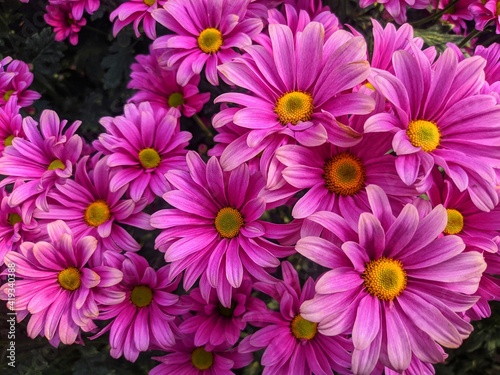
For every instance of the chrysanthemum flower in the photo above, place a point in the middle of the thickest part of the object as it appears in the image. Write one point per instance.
(57, 286)
(205, 35)
(292, 343)
(65, 25)
(336, 177)
(397, 284)
(484, 12)
(397, 8)
(214, 229)
(456, 15)
(89, 208)
(10, 123)
(291, 86)
(146, 315)
(159, 87)
(15, 78)
(143, 145)
(79, 6)
(188, 358)
(477, 229)
(136, 11)
(44, 157)
(440, 119)
(215, 324)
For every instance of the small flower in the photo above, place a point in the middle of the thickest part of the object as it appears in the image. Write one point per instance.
(65, 25)
(15, 78)
(136, 11)
(10, 123)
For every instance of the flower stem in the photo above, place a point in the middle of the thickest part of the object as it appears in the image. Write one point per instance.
(202, 126)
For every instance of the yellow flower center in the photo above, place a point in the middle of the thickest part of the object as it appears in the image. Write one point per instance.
(175, 99)
(424, 134)
(13, 219)
(210, 40)
(303, 329)
(141, 295)
(201, 359)
(455, 222)
(228, 222)
(56, 164)
(97, 213)
(8, 141)
(7, 95)
(69, 278)
(149, 158)
(149, 2)
(498, 8)
(385, 278)
(344, 174)
(370, 86)
(294, 106)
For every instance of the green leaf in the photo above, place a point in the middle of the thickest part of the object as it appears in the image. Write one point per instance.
(117, 64)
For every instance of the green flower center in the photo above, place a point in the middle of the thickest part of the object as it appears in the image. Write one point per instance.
(8, 141)
(56, 164)
(303, 328)
(69, 278)
(7, 95)
(97, 213)
(13, 219)
(201, 359)
(149, 2)
(175, 99)
(141, 296)
(149, 158)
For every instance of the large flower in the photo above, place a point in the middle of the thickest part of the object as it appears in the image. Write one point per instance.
(214, 229)
(146, 315)
(296, 85)
(58, 287)
(143, 145)
(439, 118)
(158, 86)
(205, 34)
(396, 284)
(293, 344)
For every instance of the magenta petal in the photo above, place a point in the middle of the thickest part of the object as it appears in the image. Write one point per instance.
(398, 345)
(367, 324)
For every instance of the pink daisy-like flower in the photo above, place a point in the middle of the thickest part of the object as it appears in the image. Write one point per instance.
(295, 89)
(397, 8)
(65, 25)
(143, 145)
(396, 284)
(146, 316)
(10, 123)
(456, 15)
(136, 11)
(484, 12)
(439, 118)
(15, 78)
(89, 207)
(214, 229)
(190, 359)
(215, 324)
(478, 230)
(159, 87)
(336, 177)
(205, 34)
(79, 6)
(45, 157)
(57, 286)
(293, 344)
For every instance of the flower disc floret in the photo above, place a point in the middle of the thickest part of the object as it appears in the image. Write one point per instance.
(344, 174)
(228, 222)
(303, 329)
(385, 278)
(97, 213)
(149, 158)
(149, 2)
(70, 278)
(424, 134)
(455, 222)
(294, 106)
(175, 99)
(56, 164)
(202, 359)
(8, 141)
(13, 219)
(210, 40)
(141, 296)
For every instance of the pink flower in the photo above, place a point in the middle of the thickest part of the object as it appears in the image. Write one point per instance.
(394, 282)
(142, 146)
(158, 86)
(293, 344)
(10, 123)
(15, 78)
(44, 158)
(79, 6)
(215, 324)
(57, 287)
(136, 11)
(485, 12)
(296, 88)
(145, 317)
(214, 230)
(439, 118)
(457, 14)
(205, 34)
(65, 25)
(397, 8)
